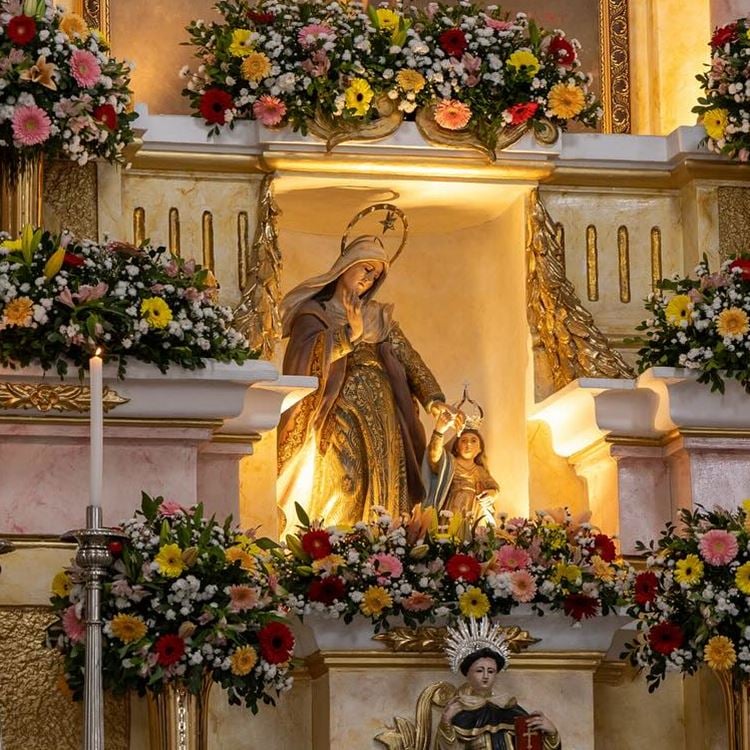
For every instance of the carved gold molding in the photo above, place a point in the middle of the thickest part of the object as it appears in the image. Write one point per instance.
(432, 638)
(257, 314)
(44, 397)
(564, 331)
(615, 65)
(614, 673)
(96, 14)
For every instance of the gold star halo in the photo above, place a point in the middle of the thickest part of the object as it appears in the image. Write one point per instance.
(392, 214)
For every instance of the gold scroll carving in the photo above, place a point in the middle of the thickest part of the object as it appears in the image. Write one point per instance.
(734, 220)
(44, 397)
(615, 65)
(432, 638)
(257, 315)
(35, 714)
(565, 334)
(70, 198)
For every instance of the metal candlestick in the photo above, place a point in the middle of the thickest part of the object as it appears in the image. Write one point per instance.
(93, 558)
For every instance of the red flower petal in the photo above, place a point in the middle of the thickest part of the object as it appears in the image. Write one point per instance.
(21, 29)
(276, 643)
(214, 105)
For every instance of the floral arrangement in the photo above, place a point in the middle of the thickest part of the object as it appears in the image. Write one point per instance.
(187, 597)
(421, 567)
(691, 601)
(472, 67)
(724, 109)
(60, 298)
(63, 95)
(702, 324)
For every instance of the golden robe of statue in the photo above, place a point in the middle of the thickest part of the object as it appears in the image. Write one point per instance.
(356, 442)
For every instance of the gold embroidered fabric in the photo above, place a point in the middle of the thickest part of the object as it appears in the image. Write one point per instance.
(421, 381)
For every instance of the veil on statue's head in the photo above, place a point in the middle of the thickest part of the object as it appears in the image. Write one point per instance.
(366, 247)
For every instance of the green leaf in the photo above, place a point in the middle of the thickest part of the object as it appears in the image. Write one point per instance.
(302, 516)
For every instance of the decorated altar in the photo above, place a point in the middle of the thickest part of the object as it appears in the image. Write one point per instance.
(511, 252)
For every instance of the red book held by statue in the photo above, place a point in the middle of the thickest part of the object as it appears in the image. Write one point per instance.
(527, 738)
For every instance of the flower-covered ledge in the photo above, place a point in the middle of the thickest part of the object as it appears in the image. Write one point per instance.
(186, 430)
(656, 443)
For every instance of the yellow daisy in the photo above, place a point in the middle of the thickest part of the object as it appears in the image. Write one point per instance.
(715, 122)
(128, 628)
(243, 660)
(719, 653)
(61, 584)
(375, 600)
(410, 80)
(565, 572)
(566, 101)
(678, 309)
(18, 312)
(169, 560)
(387, 19)
(602, 569)
(328, 564)
(242, 42)
(689, 571)
(358, 96)
(742, 578)
(156, 312)
(524, 61)
(732, 323)
(73, 25)
(255, 67)
(246, 560)
(474, 603)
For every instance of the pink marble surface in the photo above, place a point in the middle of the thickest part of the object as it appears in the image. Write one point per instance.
(725, 11)
(44, 473)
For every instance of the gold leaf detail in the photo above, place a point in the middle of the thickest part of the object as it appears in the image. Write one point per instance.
(43, 397)
(432, 638)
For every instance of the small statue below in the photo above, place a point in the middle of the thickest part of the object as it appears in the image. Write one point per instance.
(474, 717)
(461, 481)
(357, 442)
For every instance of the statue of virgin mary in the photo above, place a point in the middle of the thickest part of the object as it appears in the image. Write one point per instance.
(357, 441)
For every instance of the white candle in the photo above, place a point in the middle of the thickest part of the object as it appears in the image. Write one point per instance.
(97, 430)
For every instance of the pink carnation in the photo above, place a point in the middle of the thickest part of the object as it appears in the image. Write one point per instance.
(73, 626)
(31, 125)
(718, 547)
(85, 68)
(311, 34)
(509, 557)
(418, 602)
(522, 586)
(386, 566)
(269, 110)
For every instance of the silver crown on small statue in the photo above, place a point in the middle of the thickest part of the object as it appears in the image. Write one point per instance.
(468, 637)
(472, 421)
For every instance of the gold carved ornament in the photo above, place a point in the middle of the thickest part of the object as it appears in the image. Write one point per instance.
(615, 65)
(257, 314)
(44, 397)
(432, 639)
(563, 330)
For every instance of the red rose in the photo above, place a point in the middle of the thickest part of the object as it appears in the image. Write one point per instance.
(580, 606)
(71, 259)
(665, 637)
(169, 649)
(604, 547)
(214, 105)
(724, 34)
(21, 29)
(326, 590)
(105, 114)
(260, 17)
(276, 643)
(744, 265)
(115, 548)
(563, 51)
(645, 587)
(522, 112)
(317, 544)
(463, 566)
(453, 42)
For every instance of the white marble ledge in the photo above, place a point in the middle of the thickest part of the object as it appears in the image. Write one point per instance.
(188, 134)
(556, 631)
(248, 398)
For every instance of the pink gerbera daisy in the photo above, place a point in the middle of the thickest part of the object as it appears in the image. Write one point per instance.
(242, 598)
(85, 68)
(311, 34)
(452, 114)
(509, 557)
(269, 110)
(418, 601)
(522, 586)
(73, 626)
(31, 125)
(386, 566)
(718, 547)
(170, 509)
